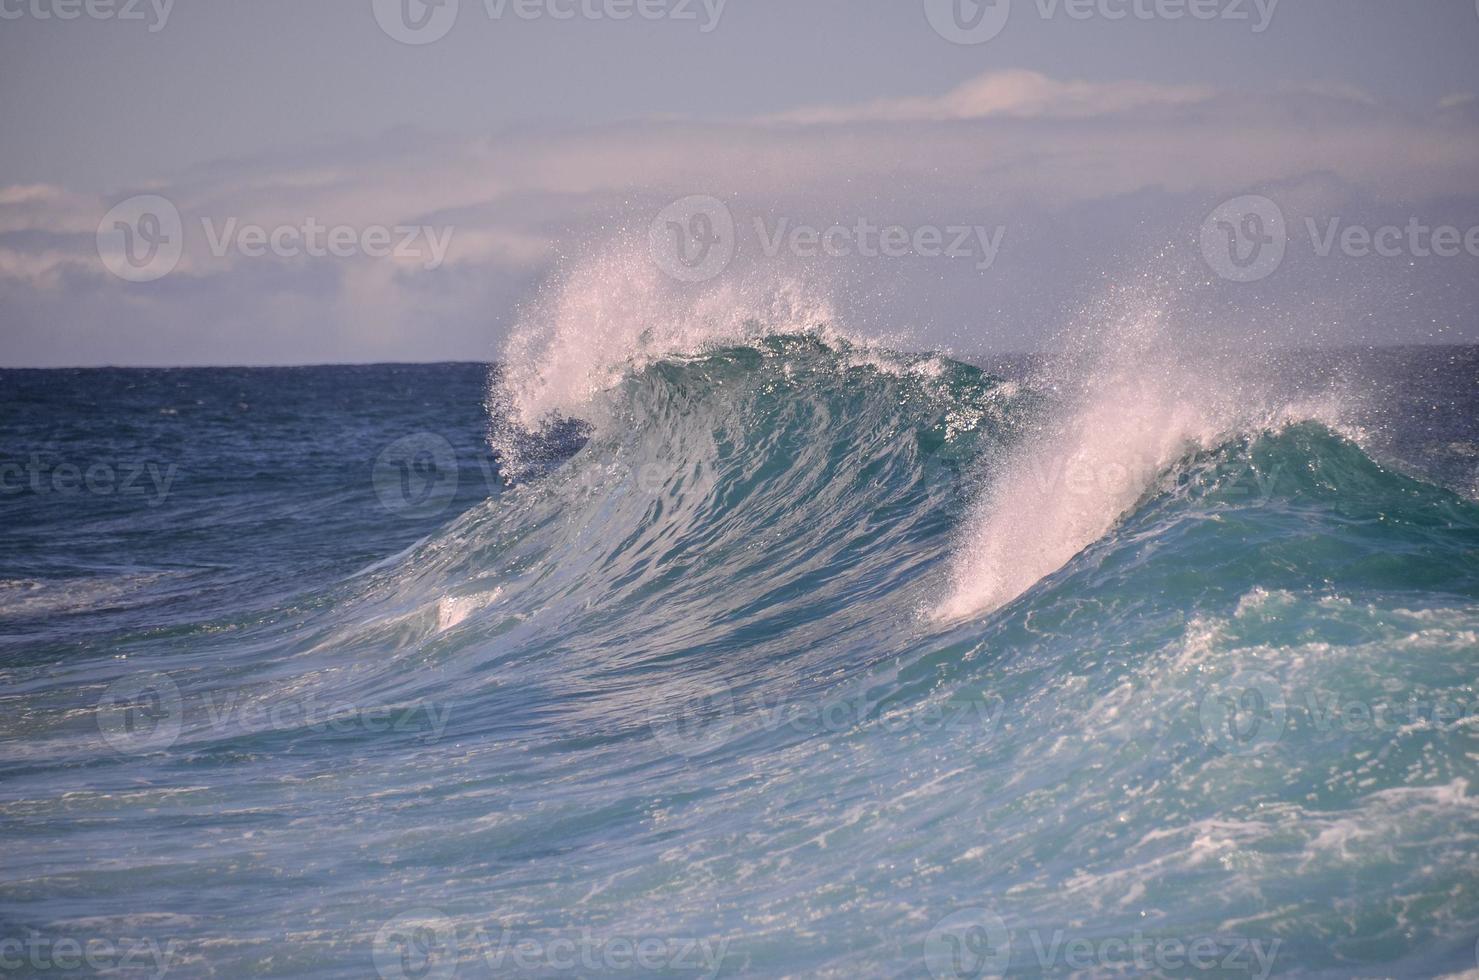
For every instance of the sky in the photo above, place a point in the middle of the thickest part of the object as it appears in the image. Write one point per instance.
(1028, 158)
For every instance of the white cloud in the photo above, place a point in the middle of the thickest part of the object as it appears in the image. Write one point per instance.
(1012, 95)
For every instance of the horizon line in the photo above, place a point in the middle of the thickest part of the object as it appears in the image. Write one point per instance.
(492, 362)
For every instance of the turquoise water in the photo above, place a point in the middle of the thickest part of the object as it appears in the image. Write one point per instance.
(788, 658)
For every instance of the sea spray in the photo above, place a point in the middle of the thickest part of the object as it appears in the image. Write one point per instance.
(1130, 397)
(616, 312)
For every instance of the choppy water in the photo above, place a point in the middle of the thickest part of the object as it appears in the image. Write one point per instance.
(792, 656)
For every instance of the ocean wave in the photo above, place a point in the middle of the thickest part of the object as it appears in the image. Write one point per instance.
(1206, 671)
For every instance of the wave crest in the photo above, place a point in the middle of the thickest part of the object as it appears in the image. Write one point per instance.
(614, 314)
(1130, 406)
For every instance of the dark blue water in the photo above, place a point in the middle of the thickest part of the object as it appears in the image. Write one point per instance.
(797, 663)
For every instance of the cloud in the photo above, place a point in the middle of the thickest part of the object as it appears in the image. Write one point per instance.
(1086, 177)
(1012, 95)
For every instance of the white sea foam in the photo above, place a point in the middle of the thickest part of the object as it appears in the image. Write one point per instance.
(452, 610)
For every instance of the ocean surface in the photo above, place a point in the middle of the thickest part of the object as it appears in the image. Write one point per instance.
(786, 655)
